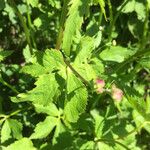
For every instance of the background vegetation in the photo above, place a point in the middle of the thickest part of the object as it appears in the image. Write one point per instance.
(74, 74)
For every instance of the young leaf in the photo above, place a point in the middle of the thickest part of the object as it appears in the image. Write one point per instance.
(77, 98)
(43, 129)
(74, 21)
(23, 143)
(16, 128)
(5, 132)
(11, 126)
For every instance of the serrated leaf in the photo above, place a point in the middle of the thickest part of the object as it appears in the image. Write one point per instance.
(85, 49)
(44, 92)
(34, 70)
(116, 54)
(16, 128)
(77, 98)
(43, 129)
(5, 132)
(74, 21)
(4, 54)
(49, 109)
(23, 143)
(140, 121)
(53, 59)
(45, 62)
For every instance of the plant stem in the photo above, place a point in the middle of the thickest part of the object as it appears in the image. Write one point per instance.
(145, 27)
(112, 141)
(62, 22)
(77, 74)
(23, 23)
(31, 27)
(112, 23)
(8, 85)
(60, 38)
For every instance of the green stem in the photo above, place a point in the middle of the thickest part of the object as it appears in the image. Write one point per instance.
(77, 74)
(112, 23)
(62, 22)
(145, 27)
(110, 19)
(60, 38)
(112, 141)
(31, 27)
(23, 23)
(9, 86)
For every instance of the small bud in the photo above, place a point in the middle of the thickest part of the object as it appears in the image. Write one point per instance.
(117, 94)
(100, 85)
(114, 43)
(101, 28)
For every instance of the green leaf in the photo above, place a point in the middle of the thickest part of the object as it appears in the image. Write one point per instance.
(11, 126)
(137, 6)
(43, 129)
(53, 59)
(60, 128)
(35, 70)
(23, 143)
(33, 3)
(87, 145)
(129, 7)
(4, 54)
(49, 109)
(85, 47)
(5, 132)
(74, 21)
(44, 92)
(99, 123)
(102, 5)
(116, 54)
(135, 26)
(141, 122)
(77, 98)
(145, 62)
(16, 128)
(81, 64)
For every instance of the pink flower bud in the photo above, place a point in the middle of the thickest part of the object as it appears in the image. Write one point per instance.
(117, 94)
(100, 85)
